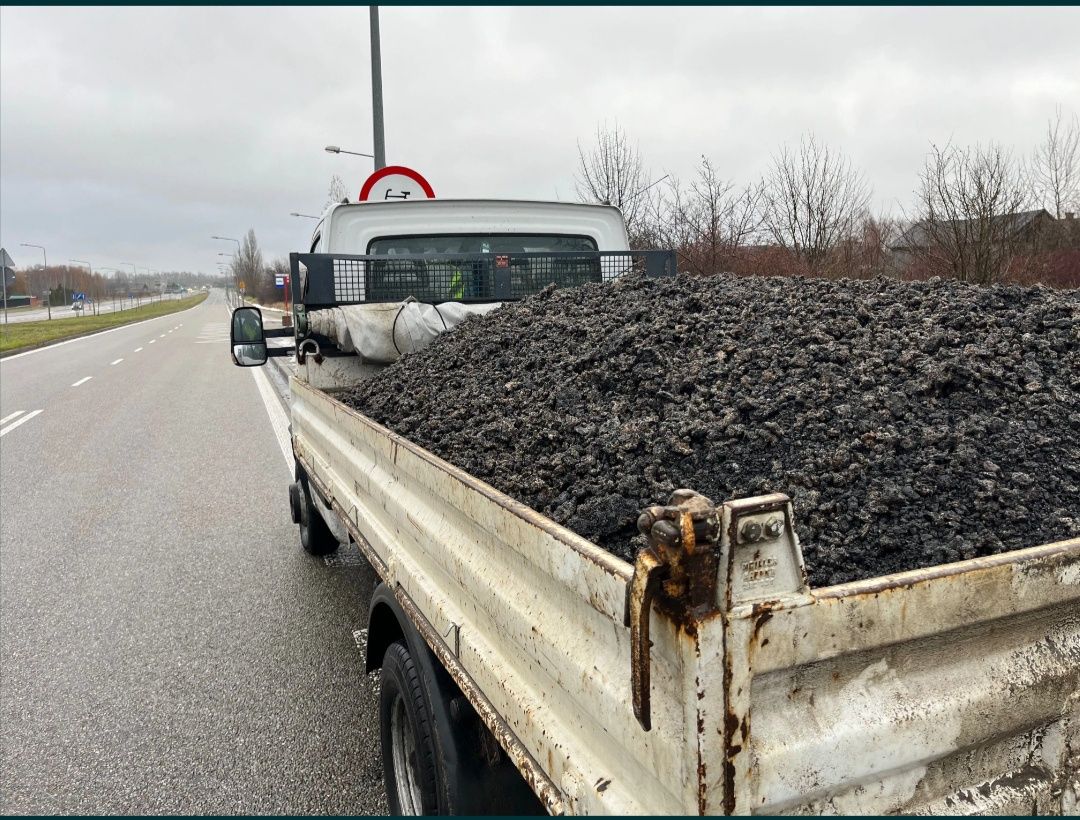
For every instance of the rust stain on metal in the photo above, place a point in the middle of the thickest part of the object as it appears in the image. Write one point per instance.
(677, 573)
(648, 576)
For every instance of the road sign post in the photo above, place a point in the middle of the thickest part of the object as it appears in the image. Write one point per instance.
(6, 263)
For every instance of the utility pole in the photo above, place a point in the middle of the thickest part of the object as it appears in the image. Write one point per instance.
(44, 270)
(376, 90)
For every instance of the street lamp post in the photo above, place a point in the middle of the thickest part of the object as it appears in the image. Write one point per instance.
(305, 216)
(376, 90)
(229, 239)
(337, 149)
(232, 267)
(134, 273)
(45, 268)
(112, 289)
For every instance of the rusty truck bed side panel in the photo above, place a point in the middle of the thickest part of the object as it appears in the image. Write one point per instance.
(954, 689)
(535, 612)
(951, 690)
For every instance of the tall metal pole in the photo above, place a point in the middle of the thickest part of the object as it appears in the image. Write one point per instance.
(44, 270)
(376, 90)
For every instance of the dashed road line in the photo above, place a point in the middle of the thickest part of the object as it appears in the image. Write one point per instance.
(137, 350)
(5, 430)
(152, 341)
(162, 336)
(116, 362)
(10, 416)
(83, 380)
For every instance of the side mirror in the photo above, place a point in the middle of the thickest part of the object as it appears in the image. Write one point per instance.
(248, 338)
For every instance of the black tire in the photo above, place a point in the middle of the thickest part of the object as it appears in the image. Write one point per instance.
(315, 536)
(405, 729)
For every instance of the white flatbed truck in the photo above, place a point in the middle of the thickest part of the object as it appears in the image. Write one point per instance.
(524, 667)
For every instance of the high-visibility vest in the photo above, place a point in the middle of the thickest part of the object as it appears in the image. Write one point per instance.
(457, 284)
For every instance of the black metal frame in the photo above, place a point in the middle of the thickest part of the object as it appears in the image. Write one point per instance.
(321, 280)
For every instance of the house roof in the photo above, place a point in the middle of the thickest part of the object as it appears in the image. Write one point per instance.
(918, 235)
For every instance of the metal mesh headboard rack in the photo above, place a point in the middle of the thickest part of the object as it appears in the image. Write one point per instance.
(328, 280)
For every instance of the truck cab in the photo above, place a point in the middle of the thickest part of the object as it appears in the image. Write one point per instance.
(468, 226)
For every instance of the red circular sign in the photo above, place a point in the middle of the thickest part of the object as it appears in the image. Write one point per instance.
(396, 182)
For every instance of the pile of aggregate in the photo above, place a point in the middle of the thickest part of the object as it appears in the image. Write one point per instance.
(912, 424)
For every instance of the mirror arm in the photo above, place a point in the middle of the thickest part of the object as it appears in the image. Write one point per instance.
(278, 332)
(271, 352)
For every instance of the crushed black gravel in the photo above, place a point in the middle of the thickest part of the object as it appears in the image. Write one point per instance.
(912, 424)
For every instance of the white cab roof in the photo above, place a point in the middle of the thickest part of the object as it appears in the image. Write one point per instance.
(349, 228)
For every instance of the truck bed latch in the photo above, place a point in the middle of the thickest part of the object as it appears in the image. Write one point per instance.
(679, 568)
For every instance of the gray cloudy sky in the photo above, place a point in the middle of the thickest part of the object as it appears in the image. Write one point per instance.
(132, 135)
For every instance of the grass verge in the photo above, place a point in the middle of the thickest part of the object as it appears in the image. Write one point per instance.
(25, 335)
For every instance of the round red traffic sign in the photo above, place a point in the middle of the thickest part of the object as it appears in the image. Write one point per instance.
(396, 182)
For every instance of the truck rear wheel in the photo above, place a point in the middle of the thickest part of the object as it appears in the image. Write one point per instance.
(315, 536)
(408, 747)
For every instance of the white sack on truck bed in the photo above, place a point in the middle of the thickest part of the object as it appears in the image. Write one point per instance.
(382, 333)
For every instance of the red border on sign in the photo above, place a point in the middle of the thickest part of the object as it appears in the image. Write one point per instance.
(395, 169)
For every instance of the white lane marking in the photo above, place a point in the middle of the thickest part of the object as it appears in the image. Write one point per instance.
(5, 430)
(90, 336)
(83, 380)
(116, 362)
(278, 420)
(162, 336)
(152, 341)
(137, 349)
(10, 416)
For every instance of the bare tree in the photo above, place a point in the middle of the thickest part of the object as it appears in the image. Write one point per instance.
(613, 172)
(337, 192)
(813, 199)
(866, 252)
(706, 222)
(247, 265)
(1055, 165)
(970, 203)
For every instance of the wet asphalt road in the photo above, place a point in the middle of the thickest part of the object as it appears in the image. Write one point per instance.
(165, 645)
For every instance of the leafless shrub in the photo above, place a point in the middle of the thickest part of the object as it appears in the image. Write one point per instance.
(1055, 166)
(612, 172)
(707, 222)
(813, 199)
(970, 204)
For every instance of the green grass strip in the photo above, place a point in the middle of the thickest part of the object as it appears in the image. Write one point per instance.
(25, 335)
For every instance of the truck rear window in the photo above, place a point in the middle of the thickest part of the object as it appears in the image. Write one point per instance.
(481, 243)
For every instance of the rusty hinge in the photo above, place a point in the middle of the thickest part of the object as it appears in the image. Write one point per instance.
(702, 559)
(679, 567)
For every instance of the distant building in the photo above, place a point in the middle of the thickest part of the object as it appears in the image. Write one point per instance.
(1022, 228)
